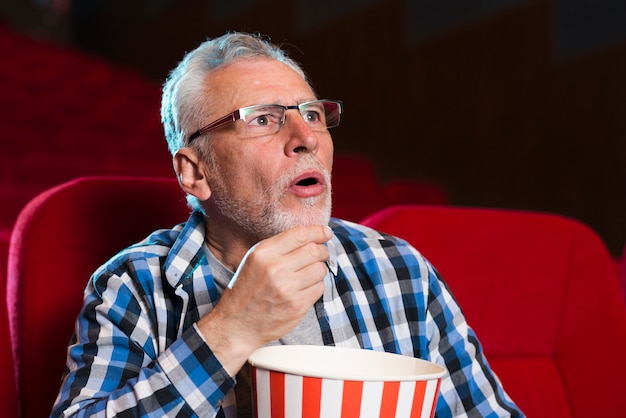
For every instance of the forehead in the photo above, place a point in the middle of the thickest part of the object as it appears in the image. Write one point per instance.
(247, 82)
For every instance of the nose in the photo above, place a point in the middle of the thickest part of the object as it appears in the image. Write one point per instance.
(300, 137)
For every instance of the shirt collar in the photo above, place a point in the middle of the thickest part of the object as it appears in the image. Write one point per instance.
(188, 252)
(332, 259)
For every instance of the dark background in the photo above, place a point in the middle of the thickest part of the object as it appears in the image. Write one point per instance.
(505, 103)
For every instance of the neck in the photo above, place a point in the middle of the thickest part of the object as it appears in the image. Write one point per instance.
(227, 242)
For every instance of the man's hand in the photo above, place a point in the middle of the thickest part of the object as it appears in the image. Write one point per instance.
(279, 281)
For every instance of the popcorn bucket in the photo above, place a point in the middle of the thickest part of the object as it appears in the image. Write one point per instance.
(295, 381)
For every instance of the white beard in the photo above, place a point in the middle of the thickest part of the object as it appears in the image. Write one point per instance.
(265, 218)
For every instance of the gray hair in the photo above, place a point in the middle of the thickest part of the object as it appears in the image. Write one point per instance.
(183, 103)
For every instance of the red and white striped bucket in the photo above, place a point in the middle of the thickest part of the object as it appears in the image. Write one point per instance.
(294, 381)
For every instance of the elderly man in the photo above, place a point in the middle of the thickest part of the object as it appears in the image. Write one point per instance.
(168, 324)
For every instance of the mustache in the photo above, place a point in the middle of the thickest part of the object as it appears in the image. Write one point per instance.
(306, 163)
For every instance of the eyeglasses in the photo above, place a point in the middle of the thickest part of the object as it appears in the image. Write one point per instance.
(268, 119)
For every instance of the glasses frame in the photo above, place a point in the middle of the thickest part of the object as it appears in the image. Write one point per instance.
(236, 115)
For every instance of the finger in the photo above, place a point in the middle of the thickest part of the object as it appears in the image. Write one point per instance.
(304, 256)
(306, 242)
(298, 237)
(310, 276)
(292, 265)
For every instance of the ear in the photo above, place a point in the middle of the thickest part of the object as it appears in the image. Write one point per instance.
(189, 168)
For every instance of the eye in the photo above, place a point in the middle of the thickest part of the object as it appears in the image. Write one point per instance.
(312, 116)
(264, 117)
(262, 120)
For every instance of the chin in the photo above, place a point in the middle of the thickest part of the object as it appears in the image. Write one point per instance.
(304, 216)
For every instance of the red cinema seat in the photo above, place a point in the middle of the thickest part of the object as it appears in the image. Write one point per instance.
(58, 241)
(357, 191)
(413, 192)
(622, 272)
(355, 187)
(7, 373)
(542, 294)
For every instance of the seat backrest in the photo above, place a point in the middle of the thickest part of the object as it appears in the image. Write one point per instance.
(542, 294)
(356, 190)
(58, 241)
(413, 192)
(621, 268)
(8, 398)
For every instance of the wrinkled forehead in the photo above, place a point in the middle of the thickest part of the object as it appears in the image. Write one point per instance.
(251, 81)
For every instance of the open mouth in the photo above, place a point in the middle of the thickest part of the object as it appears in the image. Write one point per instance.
(308, 184)
(309, 181)
(311, 178)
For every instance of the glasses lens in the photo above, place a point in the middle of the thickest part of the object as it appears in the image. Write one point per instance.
(332, 112)
(321, 114)
(314, 113)
(263, 119)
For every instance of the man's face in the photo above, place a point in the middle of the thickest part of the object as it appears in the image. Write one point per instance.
(265, 185)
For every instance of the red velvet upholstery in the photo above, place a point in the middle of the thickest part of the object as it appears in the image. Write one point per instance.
(8, 396)
(61, 108)
(622, 272)
(59, 239)
(411, 191)
(541, 292)
(358, 193)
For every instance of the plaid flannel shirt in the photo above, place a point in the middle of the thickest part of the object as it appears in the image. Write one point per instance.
(137, 351)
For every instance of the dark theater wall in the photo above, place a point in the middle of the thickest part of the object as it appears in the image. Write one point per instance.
(512, 104)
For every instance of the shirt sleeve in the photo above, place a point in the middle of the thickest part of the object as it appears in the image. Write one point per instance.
(115, 365)
(470, 389)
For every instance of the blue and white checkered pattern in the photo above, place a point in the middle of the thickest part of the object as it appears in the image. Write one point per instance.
(137, 350)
